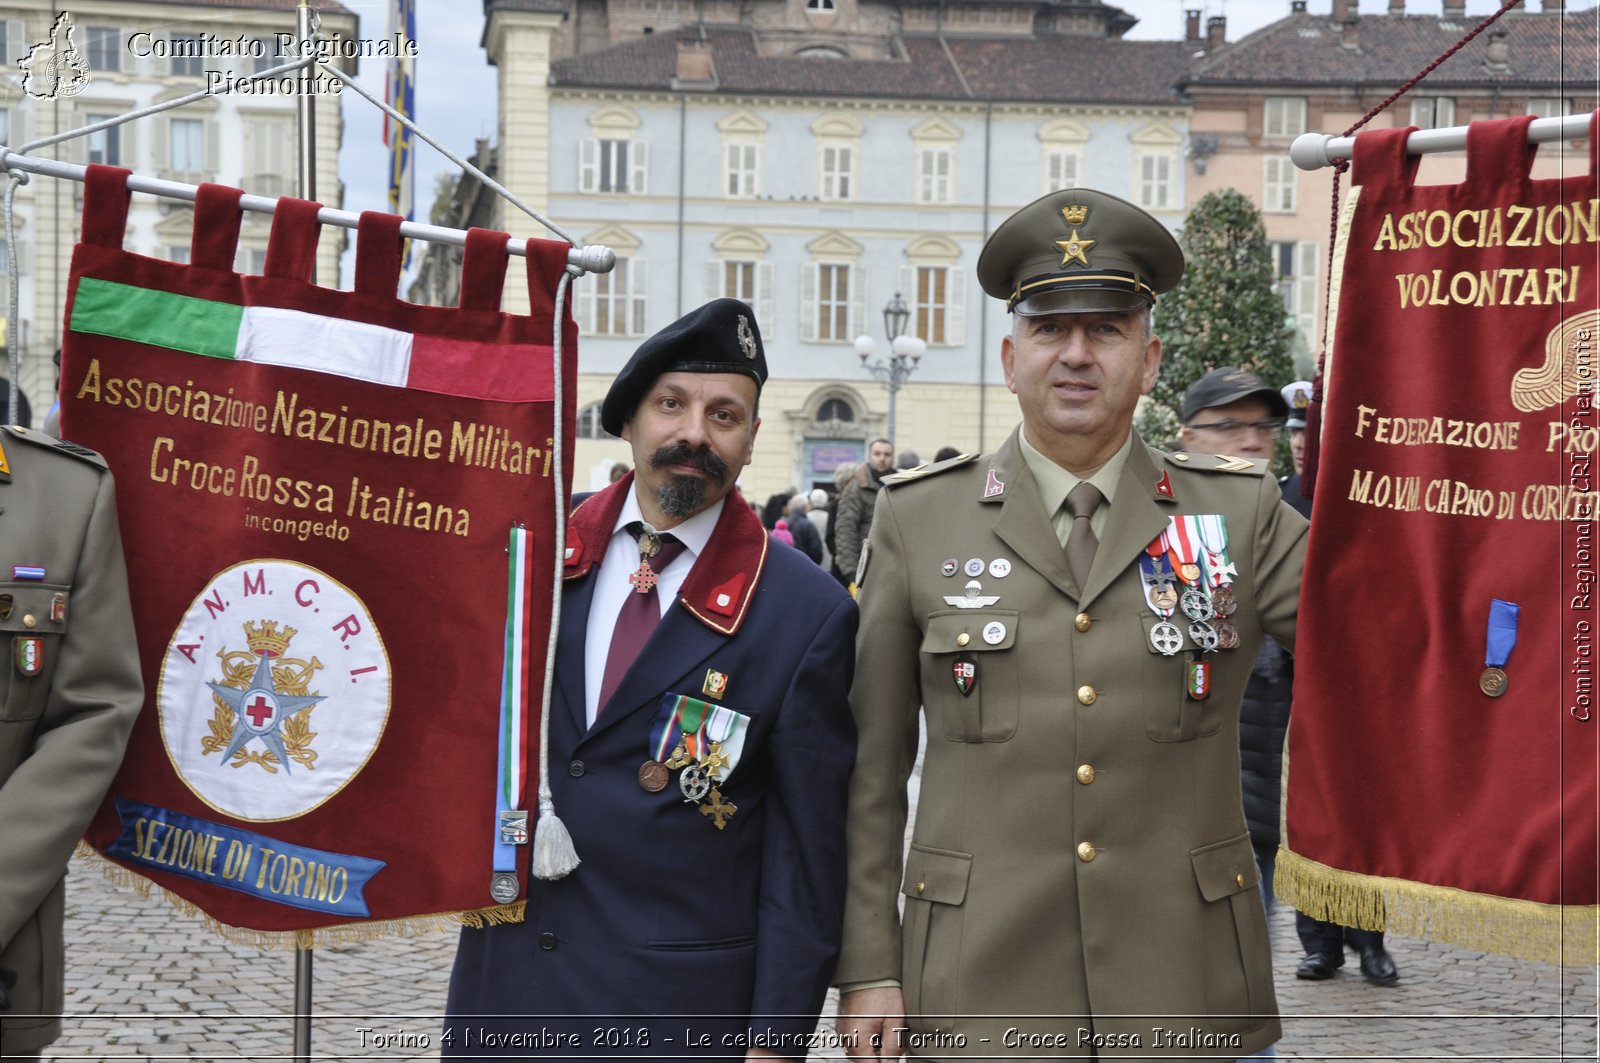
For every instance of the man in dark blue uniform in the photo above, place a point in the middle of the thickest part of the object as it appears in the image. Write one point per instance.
(702, 776)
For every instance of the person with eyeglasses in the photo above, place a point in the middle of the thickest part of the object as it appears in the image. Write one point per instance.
(1231, 411)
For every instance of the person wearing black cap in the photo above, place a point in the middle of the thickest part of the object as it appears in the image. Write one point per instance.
(700, 744)
(1075, 615)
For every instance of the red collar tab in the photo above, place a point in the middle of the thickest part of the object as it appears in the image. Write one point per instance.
(1164, 485)
(718, 589)
(590, 526)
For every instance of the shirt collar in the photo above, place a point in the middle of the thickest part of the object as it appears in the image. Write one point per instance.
(693, 533)
(1055, 483)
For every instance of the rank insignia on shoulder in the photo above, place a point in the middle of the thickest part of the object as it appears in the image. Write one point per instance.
(1229, 463)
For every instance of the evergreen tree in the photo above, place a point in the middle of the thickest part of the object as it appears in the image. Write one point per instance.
(1225, 312)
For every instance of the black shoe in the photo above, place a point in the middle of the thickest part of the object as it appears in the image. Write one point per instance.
(1377, 967)
(1318, 966)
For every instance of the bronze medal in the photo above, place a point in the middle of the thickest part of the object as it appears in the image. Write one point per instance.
(1190, 572)
(1163, 597)
(1493, 682)
(1227, 635)
(653, 776)
(1224, 601)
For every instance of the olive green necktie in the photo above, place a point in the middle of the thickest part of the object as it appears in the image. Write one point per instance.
(1082, 501)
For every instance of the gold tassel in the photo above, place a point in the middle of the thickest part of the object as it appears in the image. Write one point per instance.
(1507, 926)
(320, 937)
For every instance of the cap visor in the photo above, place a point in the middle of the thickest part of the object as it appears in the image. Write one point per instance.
(1081, 301)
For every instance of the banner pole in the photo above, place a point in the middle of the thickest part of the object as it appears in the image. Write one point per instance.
(306, 112)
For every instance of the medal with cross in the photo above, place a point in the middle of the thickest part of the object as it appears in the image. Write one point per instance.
(719, 810)
(644, 578)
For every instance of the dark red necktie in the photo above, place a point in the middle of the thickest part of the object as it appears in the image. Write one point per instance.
(641, 610)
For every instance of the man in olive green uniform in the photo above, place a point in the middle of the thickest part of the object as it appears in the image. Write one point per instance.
(69, 692)
(1080, 879)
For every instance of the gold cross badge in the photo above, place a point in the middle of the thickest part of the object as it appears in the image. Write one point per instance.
(719, 810)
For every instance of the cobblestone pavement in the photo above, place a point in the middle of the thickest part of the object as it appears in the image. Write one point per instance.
(145, 982)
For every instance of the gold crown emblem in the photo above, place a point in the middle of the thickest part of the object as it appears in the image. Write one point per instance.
(265, 640)
(1075, 213)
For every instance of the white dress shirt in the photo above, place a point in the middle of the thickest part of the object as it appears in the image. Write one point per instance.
(612, 588)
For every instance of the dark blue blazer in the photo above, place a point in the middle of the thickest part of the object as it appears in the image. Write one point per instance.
(674, 938)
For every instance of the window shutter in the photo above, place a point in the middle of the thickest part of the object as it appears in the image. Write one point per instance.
(161, 135)
(764, 309)
(858, 303)
(77, 147)
(1306, 283)
(128, 145)
(588, 165)
(637, 183)
(638, 285)
(715, 270)
(585, 307)
(955, 314)
(16, 47)
(808, 302)
(906, 283)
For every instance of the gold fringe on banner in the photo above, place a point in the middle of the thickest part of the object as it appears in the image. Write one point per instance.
(321, 937)
(1547, 933)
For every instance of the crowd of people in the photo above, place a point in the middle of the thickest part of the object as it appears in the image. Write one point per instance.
(1091, 632)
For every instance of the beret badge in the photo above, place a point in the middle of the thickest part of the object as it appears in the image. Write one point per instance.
(747, 338)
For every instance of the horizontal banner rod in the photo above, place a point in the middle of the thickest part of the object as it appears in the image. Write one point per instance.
(593, 258)
(1313, 151)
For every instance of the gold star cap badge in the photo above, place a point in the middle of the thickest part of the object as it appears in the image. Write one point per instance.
(1075, 247)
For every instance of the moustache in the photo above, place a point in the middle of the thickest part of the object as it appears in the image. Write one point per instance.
(704, 459)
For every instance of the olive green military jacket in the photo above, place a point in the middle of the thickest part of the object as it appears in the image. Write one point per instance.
(62, 728)
(1080, 875)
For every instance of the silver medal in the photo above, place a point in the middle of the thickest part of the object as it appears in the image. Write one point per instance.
(503, 888)
(1165, 638)
(694, 783)
(1203, 635)
(1196, 604)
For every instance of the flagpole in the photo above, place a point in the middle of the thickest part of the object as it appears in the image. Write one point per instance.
(306, 112)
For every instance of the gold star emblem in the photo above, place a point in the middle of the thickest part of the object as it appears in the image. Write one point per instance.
(1074, 247)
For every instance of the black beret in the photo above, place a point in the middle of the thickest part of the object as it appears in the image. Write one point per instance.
(720, 337)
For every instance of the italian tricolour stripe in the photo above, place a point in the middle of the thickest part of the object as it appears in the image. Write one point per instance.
(293, 339)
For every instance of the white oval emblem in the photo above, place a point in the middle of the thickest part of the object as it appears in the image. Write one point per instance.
(994, 633)
(1000, 568)
(274, 690)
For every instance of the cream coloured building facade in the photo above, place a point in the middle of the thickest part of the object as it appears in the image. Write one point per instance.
(815, 157)
(139, 54)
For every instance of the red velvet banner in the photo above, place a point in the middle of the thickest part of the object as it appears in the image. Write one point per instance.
(1443, 747)
(316, 490)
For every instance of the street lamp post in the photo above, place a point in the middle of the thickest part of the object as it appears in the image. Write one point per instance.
(905, 353)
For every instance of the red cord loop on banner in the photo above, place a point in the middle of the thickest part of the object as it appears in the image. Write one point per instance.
(216, 227)
(547, 261)
(292, 245)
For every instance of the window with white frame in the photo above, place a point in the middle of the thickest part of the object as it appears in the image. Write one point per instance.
(1279, 185)
(838, 171)
(1547, 107)
(934, 184)
(612, 304)
(1062, 167)
(186, 145)
(937, 304)
(1283, 116)
(105, 49)
(1155, 181)
(1433, 112)
(588, 426)
(741, 169)
(833, 301)
(1295, 264)
(607, 165)
(187, 55)
(104, 147)
(269, 142)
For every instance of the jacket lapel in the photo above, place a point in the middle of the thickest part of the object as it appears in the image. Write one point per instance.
(675, 648)
(1023, 524)
(571, 687)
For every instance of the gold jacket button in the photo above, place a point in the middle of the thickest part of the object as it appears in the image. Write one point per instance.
(1239, 878)
(1086, 773)
(963, 638)
(1082, 621)
(1086, 695)
(1085, 852)
(921, 886)
(30, 621)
